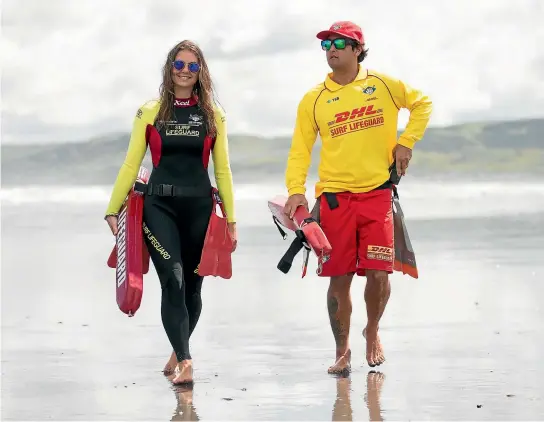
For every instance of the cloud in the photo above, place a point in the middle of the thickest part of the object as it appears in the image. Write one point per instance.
(78, 69)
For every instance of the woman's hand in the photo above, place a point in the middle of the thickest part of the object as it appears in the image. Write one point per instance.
(233, 236)
(112, 222)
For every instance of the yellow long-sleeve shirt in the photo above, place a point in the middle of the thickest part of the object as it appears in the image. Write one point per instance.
(357, 124)
(137, 148)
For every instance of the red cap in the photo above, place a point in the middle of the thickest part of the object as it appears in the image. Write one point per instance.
(345, 29)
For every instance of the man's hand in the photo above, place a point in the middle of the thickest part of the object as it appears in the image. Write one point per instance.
(293, 202)
(403, 155)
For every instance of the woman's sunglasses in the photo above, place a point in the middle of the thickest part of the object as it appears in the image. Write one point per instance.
(339, 43)
(180, 64)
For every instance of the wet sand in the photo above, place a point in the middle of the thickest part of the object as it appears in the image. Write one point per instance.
(464, 342)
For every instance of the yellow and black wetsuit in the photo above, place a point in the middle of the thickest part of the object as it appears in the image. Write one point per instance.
(178, 203)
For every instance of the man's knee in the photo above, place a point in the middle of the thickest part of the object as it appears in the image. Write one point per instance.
(377, 276)
(341, 284)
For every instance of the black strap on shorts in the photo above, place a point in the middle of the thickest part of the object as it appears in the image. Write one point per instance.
(331, 199)
(391, 183)
(173, 190)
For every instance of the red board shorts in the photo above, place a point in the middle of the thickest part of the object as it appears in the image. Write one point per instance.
(360, 231)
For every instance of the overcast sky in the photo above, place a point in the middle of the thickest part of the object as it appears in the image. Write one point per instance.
(76, 69)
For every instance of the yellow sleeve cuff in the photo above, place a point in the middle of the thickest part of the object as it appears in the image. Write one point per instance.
(406, 142)
(297, 190)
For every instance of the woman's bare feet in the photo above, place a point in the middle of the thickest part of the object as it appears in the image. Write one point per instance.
(171, 365)
(183, 373)
(342, 364)
(374, 349)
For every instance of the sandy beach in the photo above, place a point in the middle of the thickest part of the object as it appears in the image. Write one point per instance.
(464, 342)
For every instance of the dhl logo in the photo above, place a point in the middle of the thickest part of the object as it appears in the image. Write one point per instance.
(356, 113)
(379, 249)
(380, 253)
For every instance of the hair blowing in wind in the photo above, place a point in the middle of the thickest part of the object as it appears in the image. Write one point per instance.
(203, 88)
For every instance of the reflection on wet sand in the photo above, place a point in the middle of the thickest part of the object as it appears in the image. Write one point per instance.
(185, 410)
(342, 410)
(374, 383)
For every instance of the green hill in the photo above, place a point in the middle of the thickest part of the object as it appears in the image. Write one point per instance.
(493, 147)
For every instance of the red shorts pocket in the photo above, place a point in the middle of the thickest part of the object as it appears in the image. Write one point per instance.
(375, 232)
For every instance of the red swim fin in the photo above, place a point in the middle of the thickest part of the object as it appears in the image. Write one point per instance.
(216, 254)
(405, 258)
(276, 206)
(129, 256)
(302, 220)
(313, 232)
(309, 234)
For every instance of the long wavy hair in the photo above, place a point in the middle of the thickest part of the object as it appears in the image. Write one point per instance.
(203, 88)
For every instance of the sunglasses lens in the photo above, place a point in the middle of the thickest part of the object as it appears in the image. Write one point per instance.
(194, 67)
(340, 43)
(178, 64)
(326, 44)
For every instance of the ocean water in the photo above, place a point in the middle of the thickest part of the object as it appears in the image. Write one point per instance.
(463, 342)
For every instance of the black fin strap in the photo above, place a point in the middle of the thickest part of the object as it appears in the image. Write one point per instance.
(282, 232)
(309, 220)
(296, 246)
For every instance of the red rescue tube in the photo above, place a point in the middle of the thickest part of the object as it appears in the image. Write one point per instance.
(129, 256)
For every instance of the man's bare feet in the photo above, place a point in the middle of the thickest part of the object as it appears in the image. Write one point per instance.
(183, 373)
(342, 364)
(171, 365)
(374, 349)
